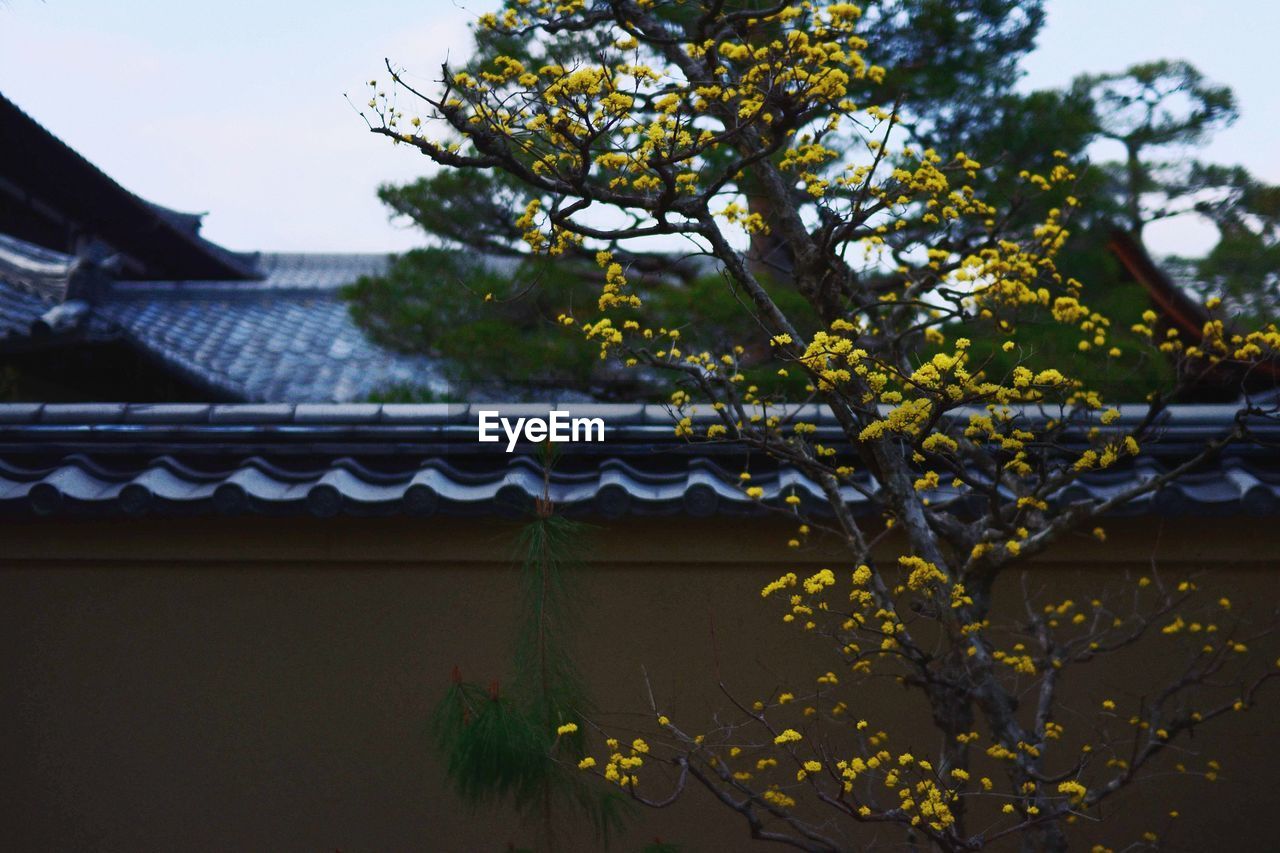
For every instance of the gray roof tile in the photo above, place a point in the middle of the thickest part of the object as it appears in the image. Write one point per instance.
(20, 413)
(19, 310)
(167, 413)
(334, 413)
(264, 346)
(418, 413)
(266, 413)
(83, 413)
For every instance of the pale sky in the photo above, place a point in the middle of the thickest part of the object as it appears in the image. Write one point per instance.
(236, 107)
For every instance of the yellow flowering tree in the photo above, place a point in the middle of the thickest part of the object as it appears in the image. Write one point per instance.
(727, 128)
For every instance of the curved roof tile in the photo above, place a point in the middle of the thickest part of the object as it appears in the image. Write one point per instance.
(415, 460)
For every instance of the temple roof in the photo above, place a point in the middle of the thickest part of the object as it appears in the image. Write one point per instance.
(85, 261)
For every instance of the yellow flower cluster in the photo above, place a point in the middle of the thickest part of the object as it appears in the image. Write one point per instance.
(922, 573)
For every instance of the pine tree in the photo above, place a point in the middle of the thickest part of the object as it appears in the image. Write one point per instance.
(520, 745)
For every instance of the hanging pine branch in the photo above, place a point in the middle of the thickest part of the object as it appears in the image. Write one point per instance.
(522, 745)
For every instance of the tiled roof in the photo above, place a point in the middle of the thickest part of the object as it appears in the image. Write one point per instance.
(31, 281)
(285, 337)
(33, 291)
(18, 310)
(419, 459)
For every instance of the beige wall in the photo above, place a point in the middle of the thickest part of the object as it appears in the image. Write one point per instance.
(260, 684)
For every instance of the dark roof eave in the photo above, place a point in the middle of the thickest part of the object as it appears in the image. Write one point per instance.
(48, 175)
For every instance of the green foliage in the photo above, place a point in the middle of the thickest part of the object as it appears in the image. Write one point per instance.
(433, 300)
(466, 208)
(1244, 267)
(1155, 104)
(545, 673)
(953, 63)
(1025, 130)
(1128, 377)
(407, 393)
(503, 747)
(1153, 110)
(708, 309)
(493, 749)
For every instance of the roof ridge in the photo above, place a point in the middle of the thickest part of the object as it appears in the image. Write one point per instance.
(1181, 416)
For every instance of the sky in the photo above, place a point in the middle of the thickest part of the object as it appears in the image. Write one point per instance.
(237, 109)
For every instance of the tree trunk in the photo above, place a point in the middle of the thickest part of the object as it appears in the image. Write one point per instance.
(1137, 178)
